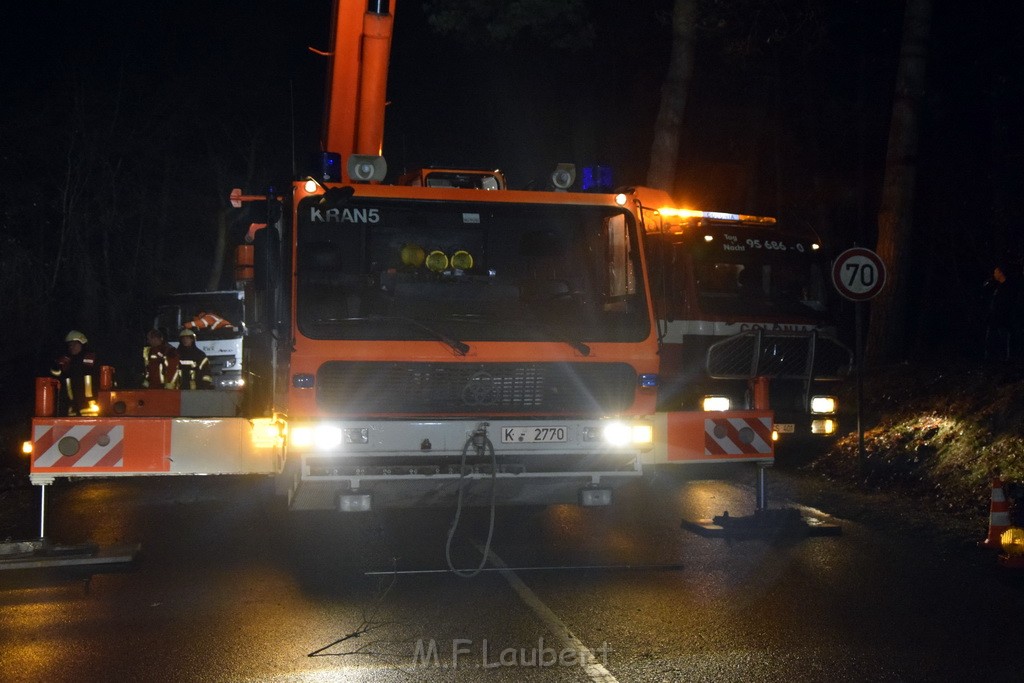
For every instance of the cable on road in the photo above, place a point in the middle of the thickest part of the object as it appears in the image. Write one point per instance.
(369, 622)
(479, 441)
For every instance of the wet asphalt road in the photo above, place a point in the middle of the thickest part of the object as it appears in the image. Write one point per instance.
(229, 587)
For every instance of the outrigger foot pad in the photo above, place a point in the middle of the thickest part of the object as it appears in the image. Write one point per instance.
(40, 554)
(763, 523)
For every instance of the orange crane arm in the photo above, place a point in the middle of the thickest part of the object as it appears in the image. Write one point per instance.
(357, 77)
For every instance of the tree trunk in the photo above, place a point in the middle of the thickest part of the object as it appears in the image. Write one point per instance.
(219, 252)
(668, 126)
(887, 332)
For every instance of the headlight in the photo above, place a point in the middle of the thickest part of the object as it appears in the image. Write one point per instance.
(825, 427)
(716, 403)
(823, 405)
(616, 433)
(628, 434)
(643, 435)
(300, 437)
(326, 437)
(321, 437)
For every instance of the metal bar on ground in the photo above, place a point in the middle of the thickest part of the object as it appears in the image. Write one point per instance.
(642, 567)
(38, 555)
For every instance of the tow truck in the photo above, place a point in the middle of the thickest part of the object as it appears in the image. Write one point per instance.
(744, 318)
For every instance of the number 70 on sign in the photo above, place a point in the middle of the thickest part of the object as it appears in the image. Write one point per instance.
(858, 274)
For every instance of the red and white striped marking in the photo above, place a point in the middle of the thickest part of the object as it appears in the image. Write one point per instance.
(81, 445)
(691, 436)
(130, 446)
(737, 436)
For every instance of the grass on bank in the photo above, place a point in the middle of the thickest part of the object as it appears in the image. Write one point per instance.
(939, 433)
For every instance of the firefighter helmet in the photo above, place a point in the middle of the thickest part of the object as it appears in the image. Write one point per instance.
(75, 335)
(186, 332)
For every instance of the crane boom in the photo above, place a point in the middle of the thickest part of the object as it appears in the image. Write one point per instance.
(357, 77)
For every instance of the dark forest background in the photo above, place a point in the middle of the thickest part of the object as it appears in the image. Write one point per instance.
(124, 126)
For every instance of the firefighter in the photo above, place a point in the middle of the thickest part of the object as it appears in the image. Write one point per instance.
(161, 362)
(208, 321)
(78, 373)
(193, 363)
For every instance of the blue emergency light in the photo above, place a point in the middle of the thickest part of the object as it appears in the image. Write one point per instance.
(328, 167)
(597, 179)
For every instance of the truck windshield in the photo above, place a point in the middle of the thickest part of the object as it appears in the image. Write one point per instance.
(225, 310)
(746, 278)
(386, 269)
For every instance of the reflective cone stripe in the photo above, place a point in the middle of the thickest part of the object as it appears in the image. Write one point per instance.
(737, 436)
(998, 516)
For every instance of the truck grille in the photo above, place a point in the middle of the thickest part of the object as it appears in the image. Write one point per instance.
(475, 388)
(784, 355)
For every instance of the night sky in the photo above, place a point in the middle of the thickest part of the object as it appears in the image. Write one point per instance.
(764, 114)
(787, 115)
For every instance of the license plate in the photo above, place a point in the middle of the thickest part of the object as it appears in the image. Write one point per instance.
(554, 434)
(785, 427)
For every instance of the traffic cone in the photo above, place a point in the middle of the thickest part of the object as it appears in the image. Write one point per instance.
(998, 516)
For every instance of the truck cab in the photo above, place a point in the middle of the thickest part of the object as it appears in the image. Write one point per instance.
(744, 318)
(222, 343)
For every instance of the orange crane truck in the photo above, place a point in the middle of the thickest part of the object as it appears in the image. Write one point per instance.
(442, 337)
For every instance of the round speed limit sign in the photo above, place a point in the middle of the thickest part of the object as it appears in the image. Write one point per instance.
(858, 274)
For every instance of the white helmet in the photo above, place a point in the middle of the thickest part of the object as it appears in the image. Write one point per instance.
(75, 335)
(186, 332)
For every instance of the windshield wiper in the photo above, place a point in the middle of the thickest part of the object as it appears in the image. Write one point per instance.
(581, 347)
(575, 344)
(459, 347)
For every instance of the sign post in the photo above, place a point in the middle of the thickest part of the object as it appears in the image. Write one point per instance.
(858, 274)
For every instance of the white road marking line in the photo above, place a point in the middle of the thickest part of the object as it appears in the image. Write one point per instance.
(588, 660)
